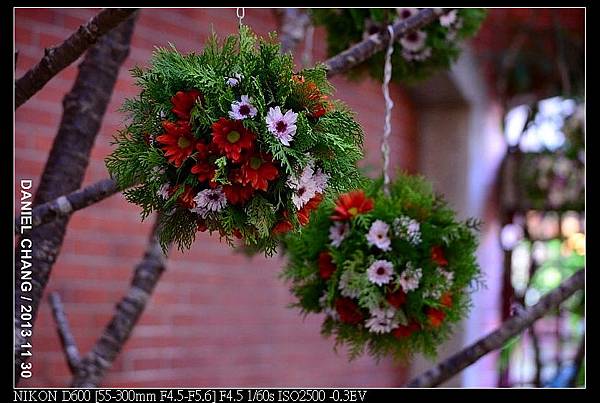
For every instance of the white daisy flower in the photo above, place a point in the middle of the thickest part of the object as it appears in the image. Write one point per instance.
(242, 109)
(423, 54)
(378, 235)
(344, 286)
(448, 19)
(282, 126)
(164, 191)
(447, 275)
(307, 184)
(405, 13)
(434, 293)
(414, 41)
(235, 80)
(382, 320)
(338, 232)
(209, 200)
(380, 272)
(410, 278)
(408, 229)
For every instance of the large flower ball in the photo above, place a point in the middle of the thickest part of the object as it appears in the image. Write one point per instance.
(390, 273)
(233, 140)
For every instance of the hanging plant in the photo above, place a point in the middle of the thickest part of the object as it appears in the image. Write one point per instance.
(390, 273)
(233, 140)
(416, 55)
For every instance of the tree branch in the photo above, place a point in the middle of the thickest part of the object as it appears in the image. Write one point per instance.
(64, 332)
(128, 311)
(362, 51)
(500, 336)
(292, 25)
(57, 58)
(83, 109)
(66, 205)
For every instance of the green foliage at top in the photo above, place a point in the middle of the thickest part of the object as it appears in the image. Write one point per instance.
(443, 290)
(346, 27)
(327, 138)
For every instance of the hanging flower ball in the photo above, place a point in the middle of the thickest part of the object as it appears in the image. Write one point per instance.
(234, 140)
(417, 55)
(390, 273)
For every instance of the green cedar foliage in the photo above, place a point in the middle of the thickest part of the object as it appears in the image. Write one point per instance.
(410, 196)
(331, 139)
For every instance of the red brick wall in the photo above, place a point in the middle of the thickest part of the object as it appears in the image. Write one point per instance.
(217, 318)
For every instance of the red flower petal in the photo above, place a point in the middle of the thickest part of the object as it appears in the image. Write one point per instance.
(351, 204)
(396, 299)
(232, 138)
(402, 331)
(348, 310)
(183, 103)
(436, 317)
(437, 255)
(326, 265)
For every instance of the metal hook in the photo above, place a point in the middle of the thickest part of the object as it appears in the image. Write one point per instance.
(241, 13)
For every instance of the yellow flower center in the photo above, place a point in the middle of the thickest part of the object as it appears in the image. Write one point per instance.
(183, 142)
(233, 136)
(255, 162)
(353, 211)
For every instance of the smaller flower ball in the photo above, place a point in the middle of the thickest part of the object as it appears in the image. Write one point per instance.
(396, 269)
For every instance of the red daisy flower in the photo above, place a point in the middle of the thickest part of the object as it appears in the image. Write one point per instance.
(236, 192)
(351, 204)
(326, 265)
(186, 199)
(205, 167)
(258, 170)
(348, 310)
(402, 331)
(178, 141)
(201, 225)
(282, 227)
(183, 101)
(309, 207)
(396, 298)
(437, 255)
(232, 138)
(316, 102)
(446, 300)
(204, 170)
(435, 316)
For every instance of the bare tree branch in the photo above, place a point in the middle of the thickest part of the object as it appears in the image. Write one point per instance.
(292, 25)
(83, 109)
(515, 325)
(364, 50)
(64, 332)
(57, 58)
(66, 205)
(128, 311)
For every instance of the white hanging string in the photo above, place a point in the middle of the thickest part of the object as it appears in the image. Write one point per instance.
(241, 13)
(389, 104)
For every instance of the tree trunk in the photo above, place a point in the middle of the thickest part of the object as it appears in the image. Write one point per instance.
(84, 107)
